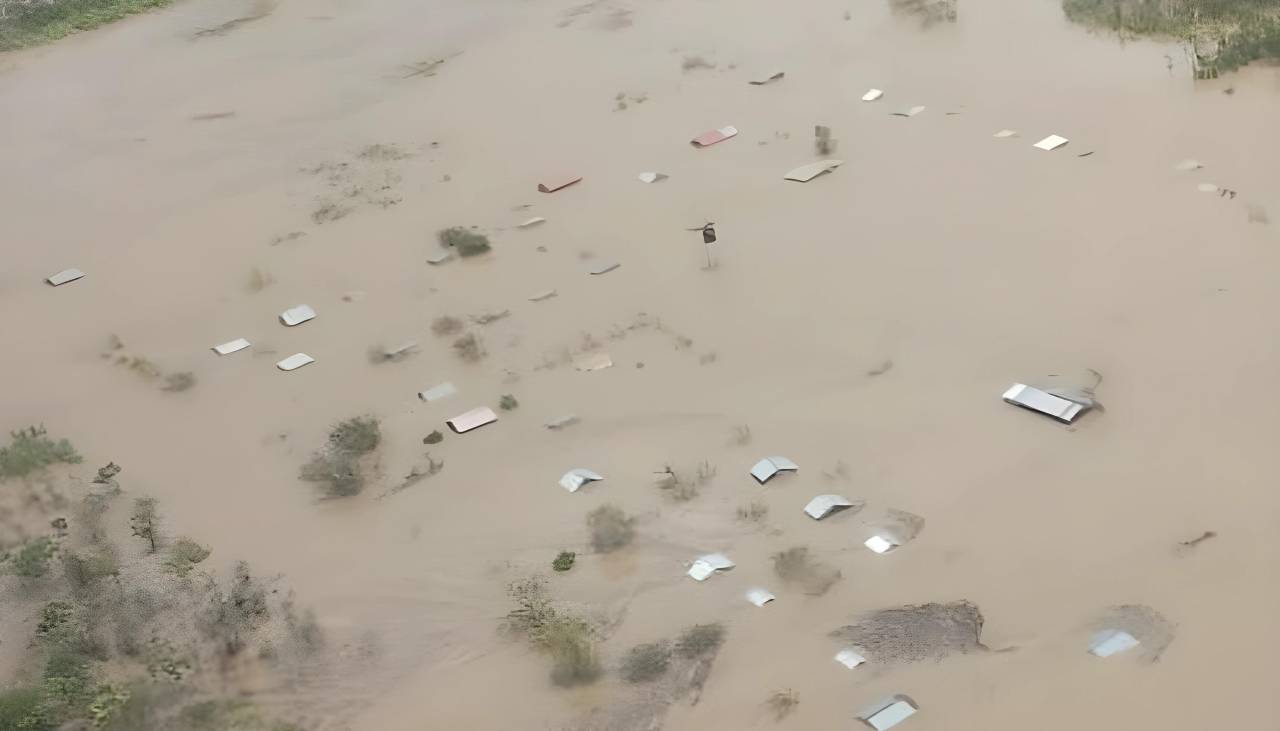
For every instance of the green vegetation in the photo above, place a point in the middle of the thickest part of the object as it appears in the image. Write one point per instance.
(570, 640)
(467, 242)
(31, 450)
(700, 640)
(25, 24)
(184, 555)
(564, 561)
(31, 560)
(53, 617)
(145, 522)
(469, 348)
(1242, 30)
(508, 402)
(610, 528)
(338, 464)
(646, 662)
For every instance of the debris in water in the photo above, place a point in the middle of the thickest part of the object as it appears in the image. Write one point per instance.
(531, 222)
(872, 95)
(766, 78)
(805, 173)
(593, 362)
(706, 565)
(760, 597)
(1198, 539)
(889, 712)
(1188, 165)
(435, 393)
(880, 544)
(64, 276)
(707, 139)
(1111, 642)
(555, 184)
(652, 177)
(1207, 188)
(1004, 133)
(561, 422)
(297, 315)
(1052, 142)
(824, 505)
(577, 477)
(233, 346)
(1062, 409)
(295, 361)
(1085, 154)
(916, 632)
(473, 419)
(913, 111)
(440, 257)
(603, 267)
(849, 658)
(766, 468)
(545, 294)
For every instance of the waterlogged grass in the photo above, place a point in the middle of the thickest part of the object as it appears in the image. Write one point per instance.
(30, 24)
(1249, 30)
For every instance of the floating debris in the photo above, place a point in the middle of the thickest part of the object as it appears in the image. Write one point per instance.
(1110, 642)
(824, 505)
(473, 419)
(555, 184)
(561, 422)
(295, 361)
(706, 565)
(1062, 409)
(889, 712)
(872, 95)
(1052, 142)
(805, 173)
(760, 597)
(1188, 165)
(531, 222)
(233, 346)
(545, 294)
(297, 315)
(652, 177)
(1004, 133)
(1207, 188)
(766, 78)
(604, 267)
(401, 351)
(440, 257)
(916, 632)
(880, 544)
(577, 477)
(913, 111)
(64, 276)
(849, 658)
(435, 393)
(707, 139)
(766, 468)
(593, 362)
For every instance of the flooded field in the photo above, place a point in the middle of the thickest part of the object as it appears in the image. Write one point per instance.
(211, 165)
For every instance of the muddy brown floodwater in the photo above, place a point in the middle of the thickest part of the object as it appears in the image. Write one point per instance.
(207, 174)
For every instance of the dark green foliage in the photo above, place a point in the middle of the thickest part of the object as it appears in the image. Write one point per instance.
(467, 242)
(564, 561)
(338, 464)
(20, 710)
(53, 616)
(508, 402)
(31, 449)
(29, 25)
(184, 555)
(646, 662)
(31, 560)
(700, 640)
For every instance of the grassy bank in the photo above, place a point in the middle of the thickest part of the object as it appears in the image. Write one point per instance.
(26, 23)
(1248, 30)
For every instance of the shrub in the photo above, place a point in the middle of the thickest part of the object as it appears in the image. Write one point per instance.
(467, 242)
(610, 528)
(564, 561)
(783, 702)
(31, 561)
(31, 449)
(20, 710)
(184, 555)
(794, 565)
(179, 382)
(53, 617)
(508, 402)
(145, 522)
(434, 437)
(446, 325)
(338, 464)
(469, 348)
(573, 654)
(646, 662)
(700, 640)
(229, 619)
(107, 701)
(83, 569)
(753, 513)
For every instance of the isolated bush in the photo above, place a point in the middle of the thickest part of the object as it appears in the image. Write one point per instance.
(508, 402)
(564, 561)
(338, 463)
(230, 618)
(145, 522)
(184, 554)
(446, 325)
(795, 566)
(31, 560)
(53, 617)
(469, 348)
(435, 437)
(467, 242)
(783, 702)
(610, 528)
(753, 513)
(646, 662)
(573, 654)
(83, 569)
(179, 382)
(31, 449)
(700, 640)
